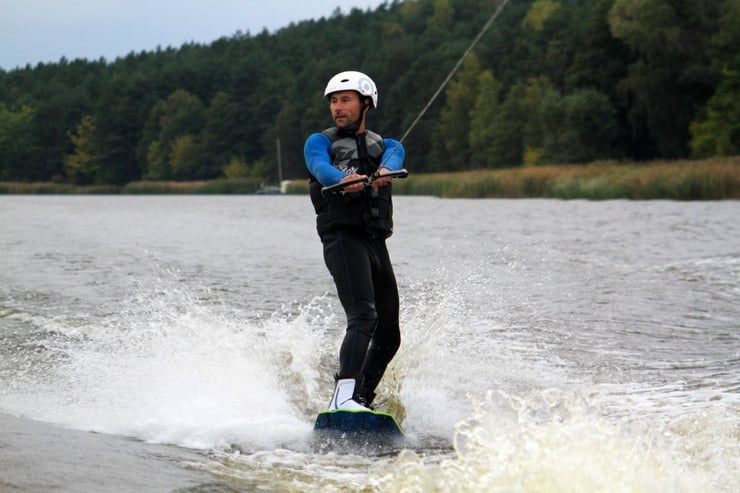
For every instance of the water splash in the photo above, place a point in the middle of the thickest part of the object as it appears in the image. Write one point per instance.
(169, 367)
(174, 365)
(549, 442)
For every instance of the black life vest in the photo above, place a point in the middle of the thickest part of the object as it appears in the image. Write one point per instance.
(367, 210)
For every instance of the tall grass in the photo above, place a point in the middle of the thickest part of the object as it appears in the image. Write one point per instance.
(50, 188)
(711, 179)
(161, 187)
(222, 186)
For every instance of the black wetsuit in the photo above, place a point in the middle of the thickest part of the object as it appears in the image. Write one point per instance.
(353, 228)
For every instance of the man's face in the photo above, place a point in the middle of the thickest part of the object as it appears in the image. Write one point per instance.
(345, 108)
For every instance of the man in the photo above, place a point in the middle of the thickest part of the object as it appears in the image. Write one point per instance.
(353, 226)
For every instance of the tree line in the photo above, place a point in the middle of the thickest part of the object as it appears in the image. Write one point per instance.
(551, 81)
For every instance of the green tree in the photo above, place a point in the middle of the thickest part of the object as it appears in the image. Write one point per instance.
(718, 134)
(153, 148)
(223, 130)
(451, 147)
(533, 132)
(578, 127)
(516, 128)
(182, 114)
(120, 115)
(487, 107)
(236, 168)
(540, 11)
(17, 146)
(717, 130)
(443, 17)
(672, 75)
(507, 142)
(183, 158)
(81, 167)
(157, 164)
(175, 153)
(599, 60)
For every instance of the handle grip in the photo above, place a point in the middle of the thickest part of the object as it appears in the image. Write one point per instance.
(339, 187)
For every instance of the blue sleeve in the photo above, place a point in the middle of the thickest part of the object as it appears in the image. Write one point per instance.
(318, 160)
(393, 155)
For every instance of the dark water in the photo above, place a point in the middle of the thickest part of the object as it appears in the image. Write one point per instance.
(186, 344)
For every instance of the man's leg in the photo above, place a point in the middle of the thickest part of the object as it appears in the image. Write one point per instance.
(349, 263)
(387, 336)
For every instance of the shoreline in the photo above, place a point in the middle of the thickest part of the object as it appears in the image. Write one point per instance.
(708, 179)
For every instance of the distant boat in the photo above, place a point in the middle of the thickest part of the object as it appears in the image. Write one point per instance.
(271, 190)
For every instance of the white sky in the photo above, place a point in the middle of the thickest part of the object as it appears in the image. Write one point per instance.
(33, 31)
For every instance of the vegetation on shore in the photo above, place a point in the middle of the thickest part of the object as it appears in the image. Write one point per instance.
(220, 186)
(709, 179)
(551, 81)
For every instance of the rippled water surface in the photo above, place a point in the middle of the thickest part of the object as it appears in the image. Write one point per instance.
(186, 343)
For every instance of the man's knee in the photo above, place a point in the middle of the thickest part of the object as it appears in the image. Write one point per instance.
(388, 338)
(365, 326)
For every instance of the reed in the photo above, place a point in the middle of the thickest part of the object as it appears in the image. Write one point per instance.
(710, 179)
(161, 187)
(214, 187)
(51, 188)
(230, 186)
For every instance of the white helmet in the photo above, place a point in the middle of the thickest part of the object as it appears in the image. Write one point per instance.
(353, 81)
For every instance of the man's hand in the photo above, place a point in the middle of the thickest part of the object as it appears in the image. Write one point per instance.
(355, 187)
(380, 181)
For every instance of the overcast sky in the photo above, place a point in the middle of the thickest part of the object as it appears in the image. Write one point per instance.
(33, 31)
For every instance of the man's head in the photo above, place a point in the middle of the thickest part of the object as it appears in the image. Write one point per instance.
(351, 95)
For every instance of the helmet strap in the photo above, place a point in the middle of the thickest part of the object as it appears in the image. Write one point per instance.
(363, 109)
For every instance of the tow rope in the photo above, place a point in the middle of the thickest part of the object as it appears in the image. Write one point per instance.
(449, 76)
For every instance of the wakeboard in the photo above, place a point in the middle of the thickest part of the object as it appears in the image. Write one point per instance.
(369, 423)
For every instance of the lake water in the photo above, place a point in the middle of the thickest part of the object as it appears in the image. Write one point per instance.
(186, 343)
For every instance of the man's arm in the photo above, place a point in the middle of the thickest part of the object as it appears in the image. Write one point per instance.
(393, 155)
(392, 160)
(318, 161)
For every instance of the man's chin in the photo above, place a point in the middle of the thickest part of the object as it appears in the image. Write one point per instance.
(344, 124)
